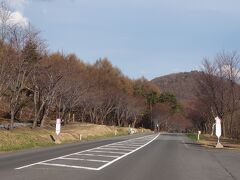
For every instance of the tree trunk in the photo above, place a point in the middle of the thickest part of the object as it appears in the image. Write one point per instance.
(73, 117)
(223, 128)
(44, 118)
(230, 125)
(38, 114)
(134, 121)
(69, 116)
(36, 108)
(12, 120)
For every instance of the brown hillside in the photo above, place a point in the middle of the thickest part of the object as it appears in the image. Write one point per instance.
(180, 84)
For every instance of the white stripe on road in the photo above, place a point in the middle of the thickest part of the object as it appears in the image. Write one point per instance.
(63, 165)
(108, 164)
(124, 147)
(110, 148)
(136, 144)
(90, 160)
(98, 155)
(90, 152)
(133, 146)
(111, 152)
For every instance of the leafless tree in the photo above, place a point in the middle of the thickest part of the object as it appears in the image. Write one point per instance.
(218, 88)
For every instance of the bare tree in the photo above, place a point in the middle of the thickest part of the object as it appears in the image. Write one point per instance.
(218, 88)
(46, 82)
(5, 15)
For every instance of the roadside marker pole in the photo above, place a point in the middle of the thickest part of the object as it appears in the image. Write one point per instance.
(58, 130)
(218, 132)
(199, 132)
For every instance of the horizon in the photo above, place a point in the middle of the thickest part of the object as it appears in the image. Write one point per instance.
(142, 38)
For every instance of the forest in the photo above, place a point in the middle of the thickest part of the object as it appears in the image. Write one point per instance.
(38, 86)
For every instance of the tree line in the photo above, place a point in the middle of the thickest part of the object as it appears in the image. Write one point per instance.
(218, 94)
(39, 86)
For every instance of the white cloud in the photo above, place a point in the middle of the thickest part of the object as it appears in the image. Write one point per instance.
(16, 18)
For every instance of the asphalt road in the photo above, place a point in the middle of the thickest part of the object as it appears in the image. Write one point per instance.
(164, 156)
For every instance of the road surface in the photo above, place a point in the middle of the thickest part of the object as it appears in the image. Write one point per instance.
(155, 157)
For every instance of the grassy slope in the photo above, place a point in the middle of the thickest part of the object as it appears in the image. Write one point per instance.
(24, 138)
(211, 141)
(192, 136)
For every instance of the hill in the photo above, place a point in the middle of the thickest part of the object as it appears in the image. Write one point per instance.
(180, 84)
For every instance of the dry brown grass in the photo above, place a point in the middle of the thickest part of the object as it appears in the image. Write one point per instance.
(211, 141)
(22, 138)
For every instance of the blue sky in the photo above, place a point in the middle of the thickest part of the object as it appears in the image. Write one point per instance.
(142, 37)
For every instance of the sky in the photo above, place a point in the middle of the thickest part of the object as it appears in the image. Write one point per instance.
(147, 38)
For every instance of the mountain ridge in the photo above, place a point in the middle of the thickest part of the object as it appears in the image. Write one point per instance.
(181, 84)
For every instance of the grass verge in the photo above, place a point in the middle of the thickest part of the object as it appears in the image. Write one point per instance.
(211, 141)
(27, 138)
(192, 136)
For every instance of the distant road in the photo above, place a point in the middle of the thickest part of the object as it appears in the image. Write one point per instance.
(153, 157)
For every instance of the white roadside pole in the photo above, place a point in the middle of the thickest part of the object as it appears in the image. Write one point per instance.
(199, 133)
(218, 131)
(58, 130)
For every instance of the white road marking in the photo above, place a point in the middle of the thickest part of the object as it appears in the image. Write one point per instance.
(98, 155)
(90, 160)
(90, 152)
(116, 146)
(120, 144)
(63, 165)
(128, 145)
(19, 168)
(121, 149)
(111, 152)
(138, 144)
(108, 164)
